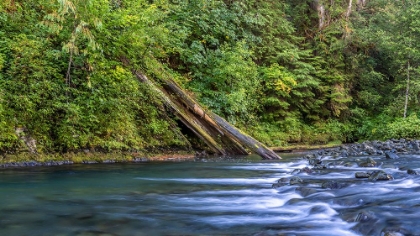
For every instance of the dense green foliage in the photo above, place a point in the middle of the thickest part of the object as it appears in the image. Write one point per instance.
(281, 70)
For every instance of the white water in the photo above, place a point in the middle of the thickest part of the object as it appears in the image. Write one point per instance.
(205, 198)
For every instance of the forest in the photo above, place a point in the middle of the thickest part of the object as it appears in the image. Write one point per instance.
(284, 71)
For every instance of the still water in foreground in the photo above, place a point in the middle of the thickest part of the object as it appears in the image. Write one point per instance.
(212, 197)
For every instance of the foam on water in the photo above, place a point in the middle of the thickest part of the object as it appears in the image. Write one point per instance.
(206, 199)
(224, 181)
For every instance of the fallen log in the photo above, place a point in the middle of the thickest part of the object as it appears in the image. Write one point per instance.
(185, 118)
(246, 140)
(221, 136)
(222, 124)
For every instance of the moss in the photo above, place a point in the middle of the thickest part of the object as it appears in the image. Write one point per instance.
(97, 157)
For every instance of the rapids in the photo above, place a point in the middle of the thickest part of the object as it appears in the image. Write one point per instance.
(209, 197)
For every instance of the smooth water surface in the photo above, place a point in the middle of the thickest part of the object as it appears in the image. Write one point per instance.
(211, 197)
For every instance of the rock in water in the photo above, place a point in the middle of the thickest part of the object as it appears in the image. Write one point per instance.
(304, 191)
(412, 172)
(391, 155)
(306, 170)
(295, 180)
(333, 185)
(380, 175)
(362, 175)
(415, 146)
(368, 163)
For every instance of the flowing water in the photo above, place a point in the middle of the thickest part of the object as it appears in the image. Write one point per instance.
(208, 197)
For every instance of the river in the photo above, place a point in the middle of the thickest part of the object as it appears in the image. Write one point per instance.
(209, 197)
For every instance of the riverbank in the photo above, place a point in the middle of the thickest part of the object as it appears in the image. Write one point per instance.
(30, 160)
(25, 159)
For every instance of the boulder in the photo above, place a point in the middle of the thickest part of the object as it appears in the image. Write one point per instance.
(391, 155)
(380, 175)
(415, 146)
(368, 148)
(369, 162)
(360, 175)
(333, 185)
(344, 153)
(412, 172)
(389, 166)
(295, 180)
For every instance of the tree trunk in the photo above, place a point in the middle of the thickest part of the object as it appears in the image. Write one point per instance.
(349, 7)
(360, 4)
(222, 137)
(246, 140)
(183, 116)
(320, 9)
(407, 90)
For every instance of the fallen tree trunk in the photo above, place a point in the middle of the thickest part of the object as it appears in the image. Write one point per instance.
(246, 140)
(221, 136)
(222, 124)
(185, 118)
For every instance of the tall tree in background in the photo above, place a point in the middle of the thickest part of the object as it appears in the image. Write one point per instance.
(396, 33)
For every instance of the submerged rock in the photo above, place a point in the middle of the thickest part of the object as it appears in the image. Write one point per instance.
(365, 164)
(360, 175)
(395, 231)
(305, 191)
(315, 162)
(369, 162)
(277, 185)
(295, 171)
(367, 223)
(295, 180)
(389, 165)
(364, 216)
(380, 175)
(333, 185)
(306, 170)
(344, 153)
(281, 182)
(415, 146)
(392, 233)
(391, 155)
(412, 172)
(349, 164)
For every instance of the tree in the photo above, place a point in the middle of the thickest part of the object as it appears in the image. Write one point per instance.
(396, 34)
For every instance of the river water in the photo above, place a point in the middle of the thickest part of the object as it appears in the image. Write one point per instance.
(209, 197)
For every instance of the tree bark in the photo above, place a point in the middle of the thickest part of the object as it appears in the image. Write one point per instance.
(185, 118)
(222, 125)
(407, 90)
(320, 9)
(246, 140)
(349, 7)
(360, 4)
(221, 136)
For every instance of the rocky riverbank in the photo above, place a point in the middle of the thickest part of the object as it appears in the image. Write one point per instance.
(355, 167)
(389, 148)
(369, 154)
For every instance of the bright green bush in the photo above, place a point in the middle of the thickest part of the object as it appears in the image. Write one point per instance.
(403, 128)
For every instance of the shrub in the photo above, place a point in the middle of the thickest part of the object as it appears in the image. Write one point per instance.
(403, 128)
